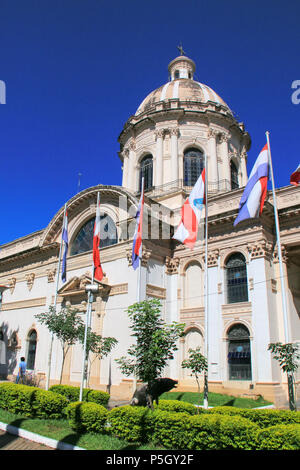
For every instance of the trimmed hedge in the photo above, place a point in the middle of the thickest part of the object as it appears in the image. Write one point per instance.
(72, 394)
(132, 423)
(280, 437)
(264, 417)
(32, 401)
(87, 417)
(177, 406)
(213, 431)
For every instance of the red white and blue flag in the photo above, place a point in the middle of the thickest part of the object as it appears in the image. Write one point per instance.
(295, 177)
(191, 214)
(253, 198)
(98, 273)
(65, 239)
(138, 234)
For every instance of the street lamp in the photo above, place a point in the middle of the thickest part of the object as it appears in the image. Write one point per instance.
(90, 289)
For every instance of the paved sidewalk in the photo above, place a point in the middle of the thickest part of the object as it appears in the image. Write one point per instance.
(11, 442)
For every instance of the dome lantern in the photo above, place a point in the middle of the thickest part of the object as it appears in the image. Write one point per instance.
(181, 67)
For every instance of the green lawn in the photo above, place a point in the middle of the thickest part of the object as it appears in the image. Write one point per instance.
(215, 399)
(61, 431)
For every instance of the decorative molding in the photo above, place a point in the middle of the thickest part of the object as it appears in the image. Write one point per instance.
(284, 254)
(38, 302)
(155, 291)
(261, 249)
(172, 265)
(30, 280)
(212, 133)
(212, 258)
(51, 274)
(12, 284)
(119, 289)
(237, 308)
(174, 131)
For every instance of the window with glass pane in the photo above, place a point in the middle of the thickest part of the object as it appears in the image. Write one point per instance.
(236, 279)
(31, 350)
(239, 353)
(84, 239)
(193, 166)
(146, 172)
(234, 176)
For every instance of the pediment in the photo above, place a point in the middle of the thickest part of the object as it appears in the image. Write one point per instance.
(76, 286)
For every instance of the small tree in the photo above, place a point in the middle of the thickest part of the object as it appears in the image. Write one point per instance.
(288, 356)
(65, 325)
(96, 344)
(197, 363)
(155, 343)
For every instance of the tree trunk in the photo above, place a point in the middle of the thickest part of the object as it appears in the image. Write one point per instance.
(291, 391)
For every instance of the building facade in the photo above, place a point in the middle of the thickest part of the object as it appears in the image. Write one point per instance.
(165, 142)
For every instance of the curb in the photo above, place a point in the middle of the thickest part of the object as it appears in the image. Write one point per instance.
(47, 441)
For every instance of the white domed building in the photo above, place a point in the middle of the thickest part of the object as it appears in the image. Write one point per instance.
(166, 141)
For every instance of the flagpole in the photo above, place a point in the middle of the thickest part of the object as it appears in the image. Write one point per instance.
(205, 397)
(87, 324)
(55, 302)
(141, 251)
(283, 292)
(138, 296)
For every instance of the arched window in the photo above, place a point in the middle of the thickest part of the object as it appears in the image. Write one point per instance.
(193, 161)
(146, 171)
(236, 279)
(84, 239)
(234, 175)
(239, 353)
(31, 349)
(176, 74)
(193, 285)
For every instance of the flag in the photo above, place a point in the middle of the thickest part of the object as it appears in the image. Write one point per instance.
(295, 177)
(253, 198)
(138, 234)
(191, 213)
(98, 273)
(64, 239)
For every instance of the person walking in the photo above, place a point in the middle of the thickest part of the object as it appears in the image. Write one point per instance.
(21, 370)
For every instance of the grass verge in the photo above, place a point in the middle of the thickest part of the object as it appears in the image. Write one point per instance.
(215, 399)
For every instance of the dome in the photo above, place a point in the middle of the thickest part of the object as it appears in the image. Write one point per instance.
(181, 87)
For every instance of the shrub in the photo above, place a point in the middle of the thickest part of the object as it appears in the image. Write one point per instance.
(17, 399)
(280, 437)
(132, 423)
(87, 417)
(31, 401)
(213, 431)
(49, 405)
(171, 429)
(177, 406)
(89, 395)
(264, 417)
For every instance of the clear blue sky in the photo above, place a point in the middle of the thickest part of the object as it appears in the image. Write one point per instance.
(75, 70)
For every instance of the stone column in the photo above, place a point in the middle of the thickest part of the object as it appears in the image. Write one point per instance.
(172, 310)
(174, 153)
(244, 176)
(159, 134)
(125, 167)
(213, 164)
(226, 176)
(132, 179)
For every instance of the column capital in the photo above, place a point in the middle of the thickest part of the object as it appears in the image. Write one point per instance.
(159, 133)
(172, 265)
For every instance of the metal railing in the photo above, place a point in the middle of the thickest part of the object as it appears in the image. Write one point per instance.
(214, 187)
